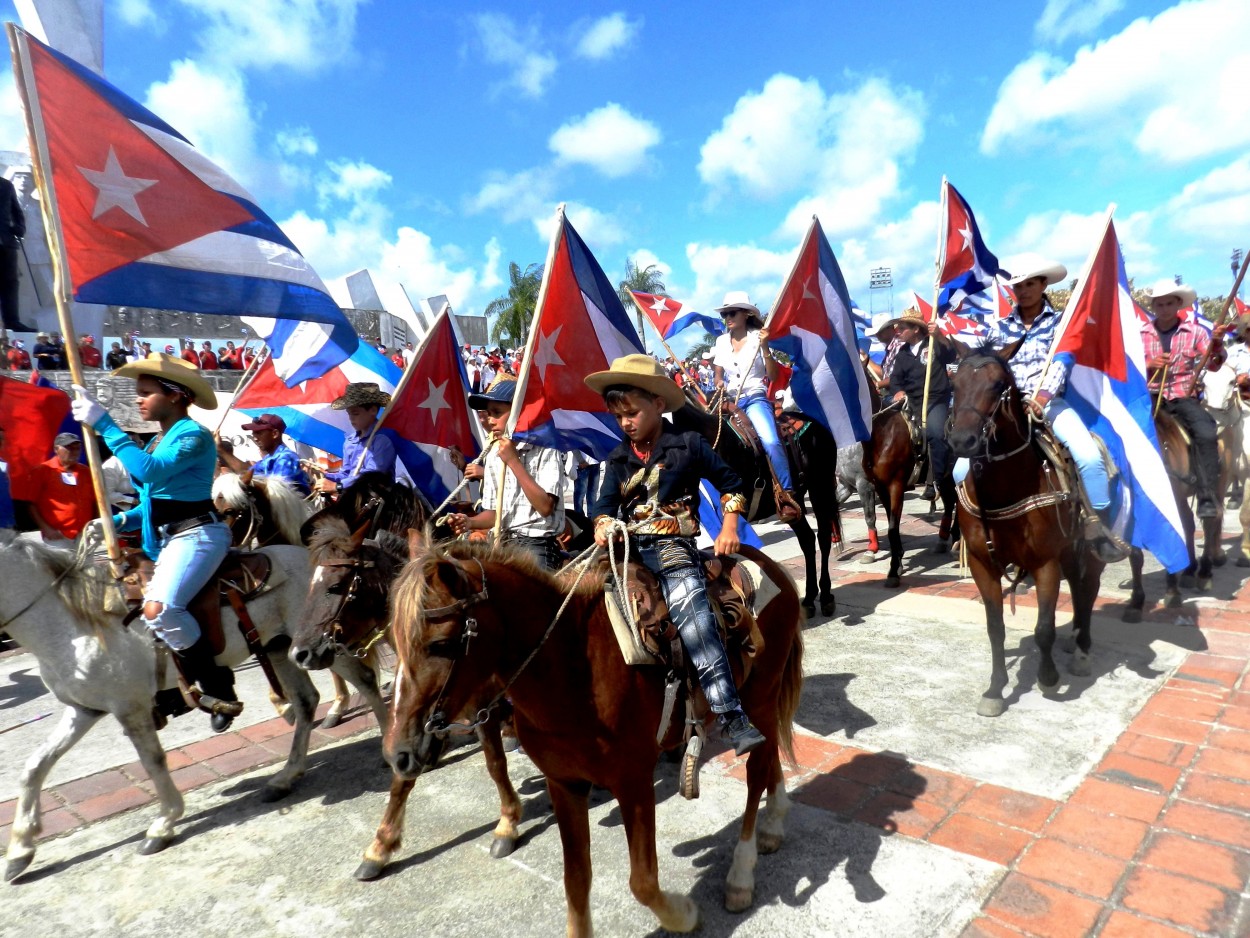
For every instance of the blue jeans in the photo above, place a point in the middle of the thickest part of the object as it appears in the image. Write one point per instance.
(186, 563)
(676, 562)
(760, 412)
(1073, 434)
(586, 488)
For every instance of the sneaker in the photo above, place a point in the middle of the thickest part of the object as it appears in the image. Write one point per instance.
(741, 733)
(1207, 508)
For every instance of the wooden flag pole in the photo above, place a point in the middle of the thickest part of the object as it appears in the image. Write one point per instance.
(673, 355)
(1228, 302)
(61, 286)
(938, 264)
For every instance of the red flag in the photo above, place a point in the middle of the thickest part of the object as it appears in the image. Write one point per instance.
(31, 417)
(431, 406)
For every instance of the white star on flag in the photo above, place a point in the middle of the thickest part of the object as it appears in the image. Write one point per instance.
(435, 400)
(545, 355)
(809, 289)
(659, 306)
(967, 233)
(114, 189)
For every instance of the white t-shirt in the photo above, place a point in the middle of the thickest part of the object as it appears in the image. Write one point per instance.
(546, 467)
(747, 359)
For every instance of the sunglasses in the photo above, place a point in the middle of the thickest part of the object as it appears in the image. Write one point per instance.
(730, 313)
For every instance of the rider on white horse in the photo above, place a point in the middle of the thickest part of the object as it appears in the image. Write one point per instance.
(181, 532)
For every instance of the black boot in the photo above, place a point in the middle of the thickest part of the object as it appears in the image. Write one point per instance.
(198, 665)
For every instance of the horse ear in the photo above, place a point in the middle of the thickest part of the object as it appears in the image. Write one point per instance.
(1007, 352)
(962, 350)
(360, 534)
(416, 542)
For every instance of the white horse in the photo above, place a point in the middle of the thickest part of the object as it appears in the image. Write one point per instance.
(93, 665)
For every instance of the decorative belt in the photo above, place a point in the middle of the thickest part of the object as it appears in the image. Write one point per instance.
(182, 527)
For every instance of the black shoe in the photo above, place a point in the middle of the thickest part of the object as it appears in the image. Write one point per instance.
(1207, 508)
(199, 666)
(930, 493)
(741, 733)
(1107, 550)
(220, 722)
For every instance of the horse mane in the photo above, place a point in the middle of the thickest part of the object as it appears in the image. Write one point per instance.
(82, 590)
(332, 540)
(229, 488)
(288, 509)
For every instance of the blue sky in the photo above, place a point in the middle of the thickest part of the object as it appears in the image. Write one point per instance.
(431, 143)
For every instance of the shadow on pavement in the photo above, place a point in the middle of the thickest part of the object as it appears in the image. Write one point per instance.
(23, 687)
(835, 711)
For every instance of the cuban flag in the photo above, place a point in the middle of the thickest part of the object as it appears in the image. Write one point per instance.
(812, 322)
(1004, 299)
(668, 319)
(1194, 312)
(145, 220)
(966, 328)
(579, 327)
(966, 268)
(1101, 337)
(712, 519)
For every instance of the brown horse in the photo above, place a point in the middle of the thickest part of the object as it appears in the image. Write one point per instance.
(345, 613)
(583, 715)
(1010, 513)
(1198, 574)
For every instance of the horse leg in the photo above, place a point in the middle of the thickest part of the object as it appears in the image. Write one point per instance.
(1187, 578)
(509, 801)
(946, 488)
(1212, 552)
(361, 673)
(763, 771)
(825, 541)
(390, 833)
(1137, 600)
(303, 697)
(636, 797)
(1084, 582)
(868, 500)
(1046, 578)
(990, 586)
(807, 541)
(75, 721)
(569, 804)
(342, 697)
(892, 498)
(142, 735)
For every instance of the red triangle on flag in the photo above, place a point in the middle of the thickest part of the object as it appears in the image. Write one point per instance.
(1092, 331)
(800, 304)
(120, 197)
(432, 406)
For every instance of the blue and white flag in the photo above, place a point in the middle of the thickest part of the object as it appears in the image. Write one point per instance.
(966, 267)
(711, 519)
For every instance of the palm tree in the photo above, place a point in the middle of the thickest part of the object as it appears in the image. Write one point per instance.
(649, 280)
(703, 345)
(514, 311)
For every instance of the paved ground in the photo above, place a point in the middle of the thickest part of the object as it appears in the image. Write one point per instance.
(1118, 806)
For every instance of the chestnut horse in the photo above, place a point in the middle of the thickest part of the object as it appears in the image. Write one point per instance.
(345, 613)
(583, 715)
(1011, 513)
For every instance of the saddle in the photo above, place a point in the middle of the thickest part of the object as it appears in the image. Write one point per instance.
(1067, 478)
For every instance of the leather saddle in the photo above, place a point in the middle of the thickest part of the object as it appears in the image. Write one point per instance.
(243, 573)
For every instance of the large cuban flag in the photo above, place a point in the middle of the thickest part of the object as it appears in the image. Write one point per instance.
(813, 324)
(668, 319)
(145, 220)
(966, 269)
(1100, 336)
(579, 327)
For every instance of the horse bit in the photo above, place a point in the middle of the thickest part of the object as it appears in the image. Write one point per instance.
(438, 725)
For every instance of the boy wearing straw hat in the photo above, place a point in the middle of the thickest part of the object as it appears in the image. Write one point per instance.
(522, 484)
(651, 481)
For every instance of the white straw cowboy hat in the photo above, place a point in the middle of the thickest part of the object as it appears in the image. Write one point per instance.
(1166, 287)
(639, 371)
(362, 394)
(1028, 266)
(738, 299)
(168, 368)
(879, 321)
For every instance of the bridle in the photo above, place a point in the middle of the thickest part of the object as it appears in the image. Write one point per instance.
(332, 631)
(989, 426)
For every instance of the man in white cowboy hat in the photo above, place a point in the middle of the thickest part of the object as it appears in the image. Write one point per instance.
(743, 368)
(363, 402)
(1173, 348)
(181, 531)
(652, 481)
(1032, 323)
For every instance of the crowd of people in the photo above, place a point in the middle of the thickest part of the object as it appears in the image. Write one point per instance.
(48, 353)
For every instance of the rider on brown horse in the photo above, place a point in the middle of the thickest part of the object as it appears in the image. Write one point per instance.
(652, 480)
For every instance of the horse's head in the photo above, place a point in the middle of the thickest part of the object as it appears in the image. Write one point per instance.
(346, 607)
(984, 390)
(448, 632)
(233, 502)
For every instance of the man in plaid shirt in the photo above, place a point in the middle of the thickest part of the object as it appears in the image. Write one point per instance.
(1174, 348)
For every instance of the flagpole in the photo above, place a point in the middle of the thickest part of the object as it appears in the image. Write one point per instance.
(671, 353)
(1068, 310)
(399, 388)
(938, 264)
(1228, 301)
(43, 180)
(252, 371)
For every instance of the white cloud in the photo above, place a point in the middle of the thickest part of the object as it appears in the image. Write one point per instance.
(12, 117)
(606, 36)
(137, 13)
(1137, 84)
(296, 141)
(303, 35)
(719, 268)
(1212, 214)
(600, 230)
(1067, 19)
(515, 196)
(609, 139)
(845, 148)
(506, 43)
(1069, 237)
(643, 258)
(352, 182)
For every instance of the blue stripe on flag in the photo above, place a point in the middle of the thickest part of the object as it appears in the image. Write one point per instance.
(710, 517)
(598, 440)
(713, 324)
(843, 362)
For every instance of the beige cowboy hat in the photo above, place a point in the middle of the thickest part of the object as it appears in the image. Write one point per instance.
(911, 315)
(362, 394)
(168, 368)
(738, 299)
(1166, 287)
(1028, 266)
(639, 371)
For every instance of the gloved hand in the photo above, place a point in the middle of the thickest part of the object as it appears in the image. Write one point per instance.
(85, 408)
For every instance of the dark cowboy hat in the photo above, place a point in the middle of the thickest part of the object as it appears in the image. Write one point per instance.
(362, 394)
(501, 389)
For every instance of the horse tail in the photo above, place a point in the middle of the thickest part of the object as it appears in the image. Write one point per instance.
(788, 696)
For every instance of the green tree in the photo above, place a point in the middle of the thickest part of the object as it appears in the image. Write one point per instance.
(648, 280)
(703, 345)
(514, 311)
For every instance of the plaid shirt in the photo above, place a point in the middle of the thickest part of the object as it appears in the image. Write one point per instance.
(1189, 344)
(1026, 364)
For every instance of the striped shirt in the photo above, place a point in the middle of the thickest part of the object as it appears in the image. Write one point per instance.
(1189, 344)
(1026, 365)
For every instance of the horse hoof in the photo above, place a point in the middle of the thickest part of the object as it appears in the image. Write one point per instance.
(809, 608)
(943, 547)
(828, 606)
(991, 707)
(1204, 584)
(15, 868)
(1131, 615)
(1173, 601)
(1048, 689)
(1220, 559)
(153, 845)
(1069, 644)
(869, 556)
(502, 847)
(1080, 665)
(1242, 561)
(369, 869)
(891, 582)
(768, 843)
(738, 899)
(332, 719)
(272, 793)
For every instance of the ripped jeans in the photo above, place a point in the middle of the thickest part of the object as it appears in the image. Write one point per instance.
(760, 412)
(187, 561)
(677, 564)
